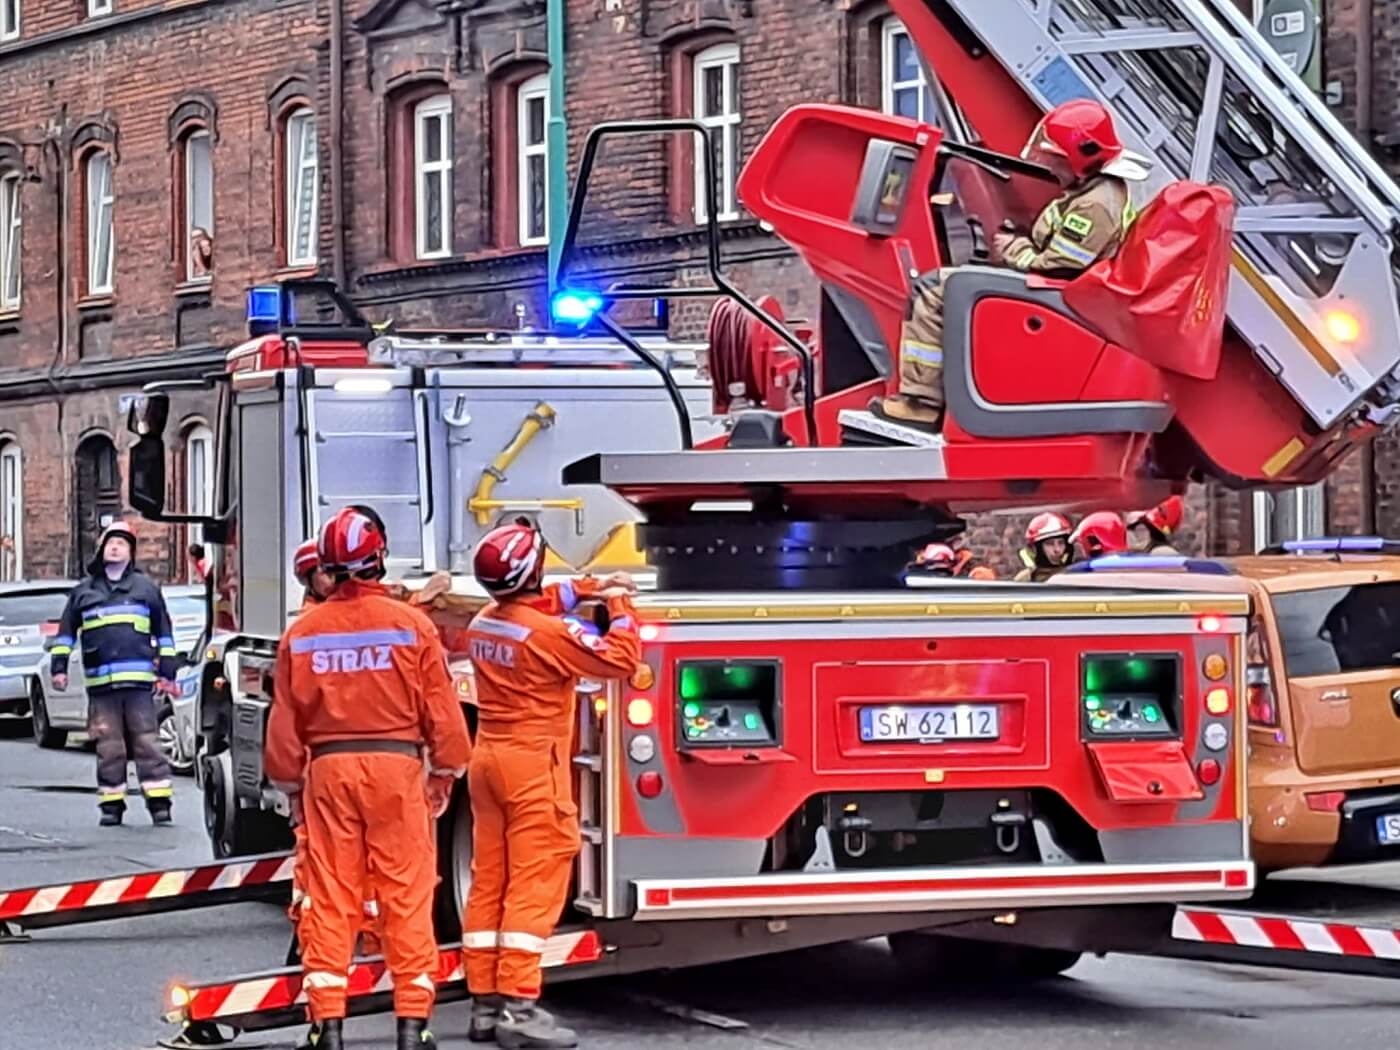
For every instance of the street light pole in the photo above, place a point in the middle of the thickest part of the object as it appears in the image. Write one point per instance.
(557, 140)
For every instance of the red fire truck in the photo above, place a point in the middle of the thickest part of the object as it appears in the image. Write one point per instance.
(815, 751)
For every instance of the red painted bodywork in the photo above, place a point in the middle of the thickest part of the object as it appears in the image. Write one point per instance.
(824, 682)
(275, 352)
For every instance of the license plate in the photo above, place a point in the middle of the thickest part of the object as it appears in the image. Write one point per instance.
(1388, 827)
(932, 724)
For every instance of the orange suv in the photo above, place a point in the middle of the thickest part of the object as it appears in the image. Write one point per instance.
(1322, 687)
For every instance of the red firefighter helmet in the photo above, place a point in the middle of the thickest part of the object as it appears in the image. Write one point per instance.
(1165, 517)
(306, 560)
(509, 558)
(1082, 132)
(351, 541)
(937, 556)
(1100, 533)
(1047, 526)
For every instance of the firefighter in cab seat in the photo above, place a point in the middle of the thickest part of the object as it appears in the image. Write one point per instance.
(120, 618)
(1150, 531)
(528, 656)
(362, 697)
(1078, 143)
(1047, 550)
(939, 559)
(1099, 535)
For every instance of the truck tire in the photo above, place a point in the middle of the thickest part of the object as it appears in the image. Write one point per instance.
(233, 830)
(454, 840)
(962, 961)
(45, 735)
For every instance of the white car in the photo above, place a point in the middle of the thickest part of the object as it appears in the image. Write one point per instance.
(57, 713)
(26, 609)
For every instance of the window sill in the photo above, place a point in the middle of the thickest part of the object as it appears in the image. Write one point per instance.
(194, 286)
(9, 321)
(298, 272)
(97, 302)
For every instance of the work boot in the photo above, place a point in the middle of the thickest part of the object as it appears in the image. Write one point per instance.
(160, 812)
(486, 1013)
(323, 1035)
(111, 814)
(414, 1035)
(908, 412)
(524, 1025)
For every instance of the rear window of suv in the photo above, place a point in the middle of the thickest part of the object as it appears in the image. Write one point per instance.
(1334, 630)
(31, 608)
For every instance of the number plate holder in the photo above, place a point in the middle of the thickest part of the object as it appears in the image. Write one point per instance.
(929, 723)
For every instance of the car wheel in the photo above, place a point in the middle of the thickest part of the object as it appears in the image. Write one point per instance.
(45, 735)
(168, 733)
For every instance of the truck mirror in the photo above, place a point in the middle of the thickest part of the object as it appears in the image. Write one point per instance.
(148, 414)
(146, 476)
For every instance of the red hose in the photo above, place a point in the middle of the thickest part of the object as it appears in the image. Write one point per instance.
(732, 363)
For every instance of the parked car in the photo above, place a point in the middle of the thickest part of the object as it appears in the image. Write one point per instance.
(26, 611)
(1321, 693)
(57, 713)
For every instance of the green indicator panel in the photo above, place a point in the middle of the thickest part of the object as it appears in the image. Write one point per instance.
(727, 703)
(1131, 696)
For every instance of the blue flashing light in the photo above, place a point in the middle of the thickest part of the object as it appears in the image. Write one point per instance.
(1150, 563)
(265, 306)
(1336, 543)
(572, 306)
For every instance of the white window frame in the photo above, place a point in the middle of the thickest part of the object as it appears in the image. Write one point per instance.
(98, 8)
(1309, 511)
(12, 510)
(199, 491)
(11, 241)
(890, 32)
(190, 223)
(8, 31)
(98, 207)
(296, 170)
(437, 106)
(537, 87)
(724, 126)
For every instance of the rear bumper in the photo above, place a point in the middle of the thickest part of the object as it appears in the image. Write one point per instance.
(1286, 833)
(14, 685)
(1357, 838)
(940, 889)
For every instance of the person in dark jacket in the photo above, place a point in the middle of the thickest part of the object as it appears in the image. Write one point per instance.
(120, 619)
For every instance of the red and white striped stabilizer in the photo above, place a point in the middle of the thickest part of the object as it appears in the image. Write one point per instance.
(238, 1001)
(67, 902)
(1282, 933)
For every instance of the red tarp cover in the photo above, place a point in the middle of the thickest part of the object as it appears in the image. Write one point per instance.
(1163, 295)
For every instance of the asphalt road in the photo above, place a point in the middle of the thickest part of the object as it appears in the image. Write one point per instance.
(99, 987)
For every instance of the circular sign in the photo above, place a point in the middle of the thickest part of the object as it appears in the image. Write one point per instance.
(1290, 27)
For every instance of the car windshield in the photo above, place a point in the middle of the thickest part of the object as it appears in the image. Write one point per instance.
(29, 608)
(1334, 630)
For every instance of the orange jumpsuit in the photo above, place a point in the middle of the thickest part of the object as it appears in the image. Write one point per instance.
(362, 688)
(525, 834)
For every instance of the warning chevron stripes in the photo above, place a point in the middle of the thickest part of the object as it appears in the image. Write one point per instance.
(244, 1001)
(1284, 933)
(147, 892)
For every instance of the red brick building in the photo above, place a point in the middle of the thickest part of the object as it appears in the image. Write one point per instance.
(159, 156)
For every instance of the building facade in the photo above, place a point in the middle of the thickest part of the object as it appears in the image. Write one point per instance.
(158, 158)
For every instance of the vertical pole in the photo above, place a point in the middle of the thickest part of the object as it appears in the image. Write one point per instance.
(557, 140)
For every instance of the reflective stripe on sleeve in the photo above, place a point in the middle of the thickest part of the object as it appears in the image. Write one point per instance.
(1024, 260)
(1069, 248)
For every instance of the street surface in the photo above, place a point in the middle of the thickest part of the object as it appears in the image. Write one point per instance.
(100, 987)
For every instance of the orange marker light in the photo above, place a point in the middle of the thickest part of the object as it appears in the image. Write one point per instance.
(639, 712)
(1342, 326)
(1218, 701)
(643, 677)
(600, 705)
(1215, 667)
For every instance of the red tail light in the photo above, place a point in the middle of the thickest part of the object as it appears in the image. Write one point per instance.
(50, 629)
(649, 784)
(1325, 801)
(1209, 772)
(1259, 680)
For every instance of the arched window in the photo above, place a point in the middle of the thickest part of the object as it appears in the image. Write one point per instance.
(301, 186)
(432, 176)
(11, 256)
(98, 202)
(97, 498)
(11, 510)
(532, 159)
(715, 102)
(194, 191)
(904, 88)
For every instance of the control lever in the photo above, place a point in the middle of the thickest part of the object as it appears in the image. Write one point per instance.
(981, 250)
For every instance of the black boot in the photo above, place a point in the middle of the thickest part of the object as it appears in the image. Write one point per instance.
(160, 811)
(414, 1035)
(111, 814)
(524, 1025)
(323, 1035)
(486, 1012)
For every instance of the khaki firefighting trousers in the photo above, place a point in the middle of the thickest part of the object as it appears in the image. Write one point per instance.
(921, 341)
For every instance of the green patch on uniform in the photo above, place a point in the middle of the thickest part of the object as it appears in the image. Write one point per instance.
(1078, 226)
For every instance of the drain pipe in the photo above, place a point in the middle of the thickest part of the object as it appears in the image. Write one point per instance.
(337, 103)
(557, 158)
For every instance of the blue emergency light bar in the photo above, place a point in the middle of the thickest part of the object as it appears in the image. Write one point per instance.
(1150, 563)
(269, 308)
(575, 306)
(1331, 544)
